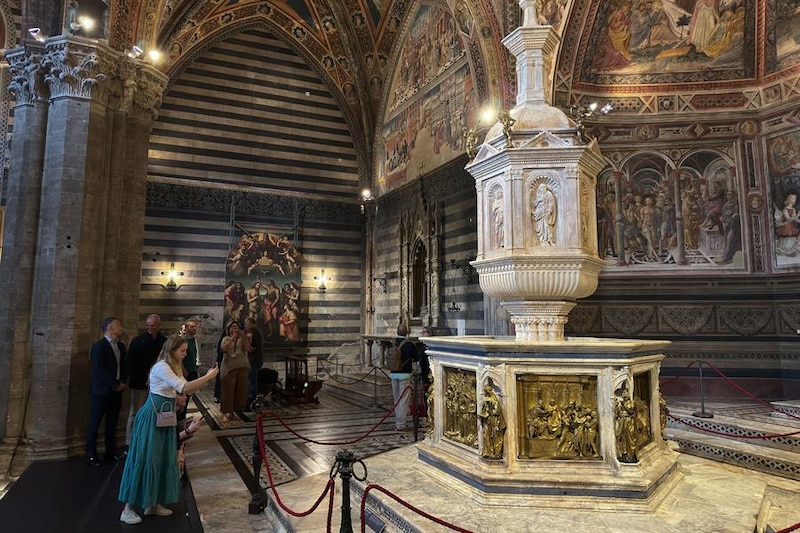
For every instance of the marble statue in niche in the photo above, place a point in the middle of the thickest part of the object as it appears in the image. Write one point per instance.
(543, 214)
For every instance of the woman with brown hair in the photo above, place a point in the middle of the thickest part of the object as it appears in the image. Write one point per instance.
(235, 366)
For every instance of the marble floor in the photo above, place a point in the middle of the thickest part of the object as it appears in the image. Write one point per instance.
(706, 496)
(218, 457)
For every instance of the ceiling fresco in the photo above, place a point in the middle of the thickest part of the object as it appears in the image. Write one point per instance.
(646, 56)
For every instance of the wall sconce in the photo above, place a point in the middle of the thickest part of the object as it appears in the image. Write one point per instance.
(466, 269)
(134, 52)
(321, 280)
(37, 34)
(81, 23)
(581, 113)
(172, 275)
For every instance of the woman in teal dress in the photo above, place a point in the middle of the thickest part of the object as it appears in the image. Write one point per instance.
(151, 477)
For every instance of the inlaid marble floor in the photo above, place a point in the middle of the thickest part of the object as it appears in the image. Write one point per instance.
(218, 458)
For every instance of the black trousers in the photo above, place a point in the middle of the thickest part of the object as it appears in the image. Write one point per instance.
(102, 407)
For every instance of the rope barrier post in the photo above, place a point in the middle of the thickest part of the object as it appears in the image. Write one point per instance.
(344, 465)
(702, 412)
(259, 501)
(374, 386)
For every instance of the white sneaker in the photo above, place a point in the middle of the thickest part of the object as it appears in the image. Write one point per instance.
(158, 510)
(130, 517)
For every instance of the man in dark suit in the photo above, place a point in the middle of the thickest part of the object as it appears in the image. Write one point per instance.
(109, 375)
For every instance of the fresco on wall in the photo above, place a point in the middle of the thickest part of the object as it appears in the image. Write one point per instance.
(783, 161)
(263, 282)
(707, 195)
(787, 31)
(671, 36)
(430, 102)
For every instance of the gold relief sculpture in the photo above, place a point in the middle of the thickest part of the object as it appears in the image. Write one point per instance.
(461, 407)
(494, 424)
(561, 420)
(429, 396)
(662, 403)
(470, 143)
(508, 122)
(625, 416)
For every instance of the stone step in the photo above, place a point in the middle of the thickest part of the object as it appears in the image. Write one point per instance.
(765, 459)
(364, 389)
(757, 424)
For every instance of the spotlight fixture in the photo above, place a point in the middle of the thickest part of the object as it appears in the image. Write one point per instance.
(366, 195)
(134, 52)
(154, 55)
(37, 34)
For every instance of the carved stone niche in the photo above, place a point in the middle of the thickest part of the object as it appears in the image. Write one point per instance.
(420, 265)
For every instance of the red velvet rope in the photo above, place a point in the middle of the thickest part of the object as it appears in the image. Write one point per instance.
(334, 443)
(790, 528)
(405, 504)
(334, 378)
(328, 487)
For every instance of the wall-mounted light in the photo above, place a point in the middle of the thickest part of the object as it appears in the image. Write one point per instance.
(134, 52)
(321, 280)
(37, 34)
(172, 276)
(466, 268)
(154, 55)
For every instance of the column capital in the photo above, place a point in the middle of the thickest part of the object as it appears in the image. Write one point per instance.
(78, 68)
(27, 73)
(141, 89)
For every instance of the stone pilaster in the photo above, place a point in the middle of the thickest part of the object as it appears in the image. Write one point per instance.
(90, 201)
(19, 250)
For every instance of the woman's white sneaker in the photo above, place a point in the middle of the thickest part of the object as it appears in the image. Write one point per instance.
(158, 510)
(130, 517)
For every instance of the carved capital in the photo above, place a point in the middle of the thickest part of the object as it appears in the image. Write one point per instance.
(77, 68)
(27, 74)
(150, 84)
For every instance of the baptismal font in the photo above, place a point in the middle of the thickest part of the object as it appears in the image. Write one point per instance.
(541, 419)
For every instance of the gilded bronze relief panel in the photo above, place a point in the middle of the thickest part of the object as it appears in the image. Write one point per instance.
(557, 417)
(461, 407)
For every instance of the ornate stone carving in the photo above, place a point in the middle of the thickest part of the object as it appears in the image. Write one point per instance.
(149, 93)
(27, 75)
(686, 319)
(75, 69)
(544, 213)
(629, 319)
(790, 315)
(746, 320)
(583, 318)
(498, 213)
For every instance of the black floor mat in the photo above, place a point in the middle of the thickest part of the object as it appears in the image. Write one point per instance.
(70, 496)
